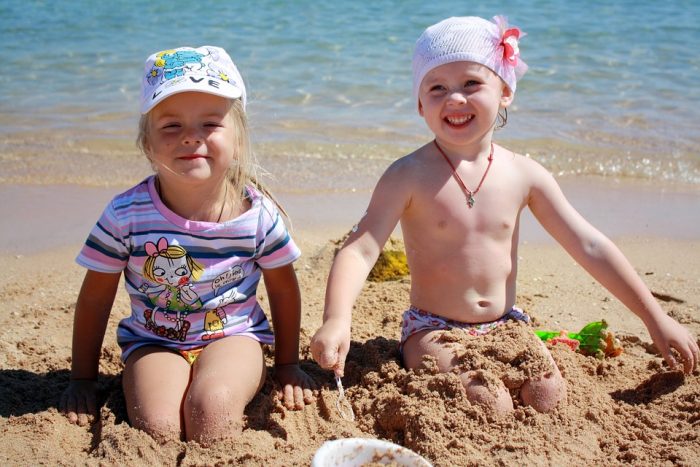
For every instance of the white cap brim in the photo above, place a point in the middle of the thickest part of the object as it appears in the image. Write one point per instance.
(207, 69)
(207, 85)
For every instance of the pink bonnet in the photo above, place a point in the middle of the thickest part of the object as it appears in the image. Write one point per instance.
(473, 39)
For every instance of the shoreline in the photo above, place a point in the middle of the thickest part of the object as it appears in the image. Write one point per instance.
(339, 158)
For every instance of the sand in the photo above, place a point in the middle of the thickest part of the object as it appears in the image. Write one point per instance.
(629, 409)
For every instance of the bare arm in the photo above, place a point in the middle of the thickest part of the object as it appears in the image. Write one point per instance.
(285, 308)
(92, 312)
(353, 263)
(606, 263)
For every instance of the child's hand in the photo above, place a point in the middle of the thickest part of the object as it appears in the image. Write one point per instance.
(330, 346)
(669, 333)
(296, 385)
(79, 401)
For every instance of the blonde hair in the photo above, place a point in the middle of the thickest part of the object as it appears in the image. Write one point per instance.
(172, 252)
(244, 171)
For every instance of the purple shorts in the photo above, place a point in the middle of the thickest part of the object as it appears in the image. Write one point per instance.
(416, 320)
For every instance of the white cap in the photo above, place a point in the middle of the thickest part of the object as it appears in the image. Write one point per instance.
(469, 39)
(205, 69)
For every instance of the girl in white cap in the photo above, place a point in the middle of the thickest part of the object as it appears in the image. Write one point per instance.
(192, 242)
(459, 200)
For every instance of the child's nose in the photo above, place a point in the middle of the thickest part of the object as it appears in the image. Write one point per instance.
(458, 97)
(191, 137)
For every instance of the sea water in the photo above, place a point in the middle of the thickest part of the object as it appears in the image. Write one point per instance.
(611, 89)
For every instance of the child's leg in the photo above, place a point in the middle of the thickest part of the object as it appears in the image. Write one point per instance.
(154, 382)
(425, 343)
(545, 392)
(225, 378)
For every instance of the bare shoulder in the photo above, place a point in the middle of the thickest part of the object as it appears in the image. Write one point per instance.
(544, 195)
(405, 172)
(410, 163)
(529, 171)
(521, 162)
(392, 196)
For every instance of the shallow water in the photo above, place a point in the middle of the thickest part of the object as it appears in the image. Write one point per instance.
(611, 88)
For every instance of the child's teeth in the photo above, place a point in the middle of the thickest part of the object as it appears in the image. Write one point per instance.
(458, 120)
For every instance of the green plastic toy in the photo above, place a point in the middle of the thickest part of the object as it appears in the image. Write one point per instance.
(594, 339)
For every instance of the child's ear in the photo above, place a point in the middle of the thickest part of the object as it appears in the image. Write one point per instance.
(420, 108)
(507, 96)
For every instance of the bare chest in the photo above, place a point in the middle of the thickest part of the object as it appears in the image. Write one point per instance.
(444, 210)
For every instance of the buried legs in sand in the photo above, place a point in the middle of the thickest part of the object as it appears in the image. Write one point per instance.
(170, 399)
(543, 392)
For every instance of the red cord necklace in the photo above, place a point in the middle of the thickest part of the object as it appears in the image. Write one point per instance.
(470, 194)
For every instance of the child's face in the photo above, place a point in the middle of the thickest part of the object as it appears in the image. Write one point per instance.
(460, 101)
(174, 272)
(192, 138)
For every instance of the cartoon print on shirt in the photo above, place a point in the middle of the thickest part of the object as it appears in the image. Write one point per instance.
(215, 319)
(173, 270)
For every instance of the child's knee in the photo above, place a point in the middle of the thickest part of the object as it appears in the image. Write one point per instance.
(159, 427)
(213, 415)
(493, 396)
(545, 392)
(215, 401)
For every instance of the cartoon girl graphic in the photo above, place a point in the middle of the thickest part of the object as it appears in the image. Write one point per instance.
(172, 269)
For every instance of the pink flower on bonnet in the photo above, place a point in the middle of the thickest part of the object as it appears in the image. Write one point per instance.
(470, 39)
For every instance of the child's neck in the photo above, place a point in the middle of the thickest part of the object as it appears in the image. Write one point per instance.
(204, 203)
(467, 152)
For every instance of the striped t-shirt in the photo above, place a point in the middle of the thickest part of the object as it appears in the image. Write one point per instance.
(189, 282)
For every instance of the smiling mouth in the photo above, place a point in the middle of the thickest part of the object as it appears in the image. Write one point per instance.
(458, 120)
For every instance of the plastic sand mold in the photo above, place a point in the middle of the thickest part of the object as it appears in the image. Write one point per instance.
(593, 339)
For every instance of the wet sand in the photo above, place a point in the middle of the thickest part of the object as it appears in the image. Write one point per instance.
(617, 208)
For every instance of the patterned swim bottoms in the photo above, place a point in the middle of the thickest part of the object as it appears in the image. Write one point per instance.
(416, 320)
(191, 355)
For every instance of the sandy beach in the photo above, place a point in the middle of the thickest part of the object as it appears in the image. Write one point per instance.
(628, 409)
(609, 106)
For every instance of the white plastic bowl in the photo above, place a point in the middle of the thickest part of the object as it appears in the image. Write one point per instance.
(354, 452)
